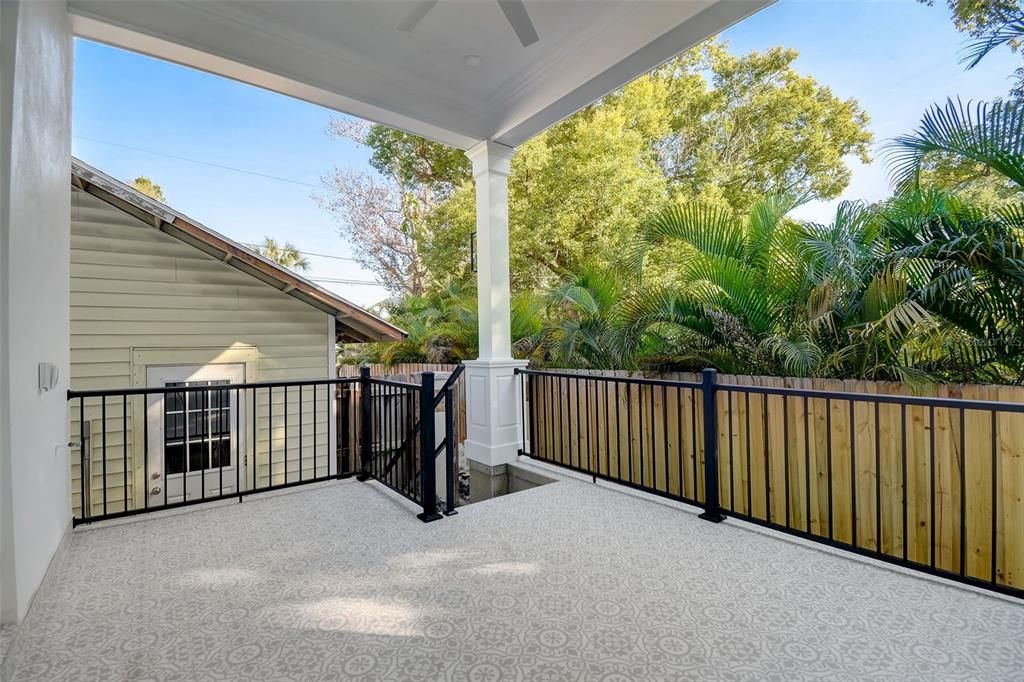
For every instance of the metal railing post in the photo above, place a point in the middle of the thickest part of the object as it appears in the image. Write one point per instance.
(365, 423)
(344, 397)
(449, 452)
(86, 464)
(428, 463)
(712, 508)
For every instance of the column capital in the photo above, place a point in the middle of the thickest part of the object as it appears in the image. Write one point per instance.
(490, 156)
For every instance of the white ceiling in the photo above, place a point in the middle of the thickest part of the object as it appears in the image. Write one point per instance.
(351, 56)
(435, 50)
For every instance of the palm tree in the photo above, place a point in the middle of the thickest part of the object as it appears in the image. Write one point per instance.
(442, 326)
(580, 329)
(969, 266)
(879, 293)
(967, 269)
(740, 281)
(858, 319)
(419, 317)
(986, 133)
(287, 255)
(1011, 32)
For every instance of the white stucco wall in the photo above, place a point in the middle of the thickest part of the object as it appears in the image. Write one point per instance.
(35, 160)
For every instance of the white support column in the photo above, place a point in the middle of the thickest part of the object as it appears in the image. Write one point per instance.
(494, 433)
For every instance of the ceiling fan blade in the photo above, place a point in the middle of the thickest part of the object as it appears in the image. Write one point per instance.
(416, 16)
(515, 12)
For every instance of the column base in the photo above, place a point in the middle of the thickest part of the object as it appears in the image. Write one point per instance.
(486, 481)
(494, 434)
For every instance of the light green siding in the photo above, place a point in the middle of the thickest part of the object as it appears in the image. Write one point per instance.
(134, 287)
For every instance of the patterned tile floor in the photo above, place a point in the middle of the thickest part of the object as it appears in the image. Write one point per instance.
(6, 637)
(565, 582)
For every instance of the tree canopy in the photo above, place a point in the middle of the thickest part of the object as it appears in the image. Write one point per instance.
(992, 24)
(383, 215)
(283, 254)
(652, 230)
(740, 127)
(708, 125)
(149, 188)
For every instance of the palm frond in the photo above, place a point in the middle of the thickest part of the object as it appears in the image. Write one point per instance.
(799, 357)
(764, 223)
(986, 133)
(709, 229)
(1011, 31)
(647, 307)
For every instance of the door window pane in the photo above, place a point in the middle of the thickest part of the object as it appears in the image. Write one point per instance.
(197, 428)
(175, 401)
(221, 453)
(196, 455)
(174, 426)
(174, 458)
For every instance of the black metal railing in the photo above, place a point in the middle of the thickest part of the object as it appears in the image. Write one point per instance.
(148, 449)
(145, 449)
(400, 446)
(593, 424)
(931, 483)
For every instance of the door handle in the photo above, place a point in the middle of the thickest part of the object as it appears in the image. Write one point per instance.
(155, 491)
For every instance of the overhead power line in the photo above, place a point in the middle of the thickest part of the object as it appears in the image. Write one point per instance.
(333, 280)
(307, 253)
(200, 162)
(329, 280)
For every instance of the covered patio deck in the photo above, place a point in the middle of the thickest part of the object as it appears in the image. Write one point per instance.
(569, 581)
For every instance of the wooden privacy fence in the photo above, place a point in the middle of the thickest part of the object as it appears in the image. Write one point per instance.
(934, 480)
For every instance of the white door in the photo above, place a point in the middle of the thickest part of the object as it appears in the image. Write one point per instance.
(195, 436)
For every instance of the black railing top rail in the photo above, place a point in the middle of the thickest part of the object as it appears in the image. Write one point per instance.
(158, 390)
(219, 455)
(604, 377)
(415, 430)
(884, 398)
(407, 385)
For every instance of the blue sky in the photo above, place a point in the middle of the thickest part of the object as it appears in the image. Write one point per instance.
(139, 116)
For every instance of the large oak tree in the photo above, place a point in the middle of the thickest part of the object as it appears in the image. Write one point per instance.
(711, 125)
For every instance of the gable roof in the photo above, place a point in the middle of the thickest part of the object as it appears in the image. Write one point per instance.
(355, 324)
